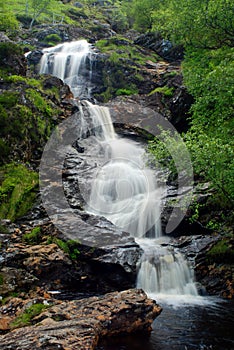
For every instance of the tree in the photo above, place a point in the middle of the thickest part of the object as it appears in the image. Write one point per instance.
(200, 23)
(38, 7)
(140, 12)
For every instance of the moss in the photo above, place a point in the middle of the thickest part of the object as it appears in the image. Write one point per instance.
(127, 92)
(70, 247)
(122, 49)
(222, 251)
(17, 191)
(33, 237)
(9, 99)
(165, 90)
(25, 318)
(27, 116)
(18, 78)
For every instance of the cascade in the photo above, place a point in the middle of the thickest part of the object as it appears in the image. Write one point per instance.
(71, 62)
(124, 189)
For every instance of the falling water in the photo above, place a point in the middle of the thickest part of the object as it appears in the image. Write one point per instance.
(165, 273)
(70, 62)
(124, 189)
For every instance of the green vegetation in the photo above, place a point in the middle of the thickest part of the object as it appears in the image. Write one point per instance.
(8, 21)
(126, 92)
(26, 317)
(206, 31)
(17, 190)
(122, 50)
(52, 39)
(70, 247)
(165, 90)
(222, 251)
(33, 237)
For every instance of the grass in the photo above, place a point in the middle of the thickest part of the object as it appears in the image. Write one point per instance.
(25, 318)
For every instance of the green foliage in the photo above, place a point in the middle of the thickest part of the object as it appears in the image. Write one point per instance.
(25, 318)
(9, 99)
(70, 247)
(209, 75)
(222, 251)
(127, 92)
(8, 21)
(140, 13)
(19, 79)
(165, 90)
(33, 237)
(26, 117)
(17, 191)
(8, 50)
(122, 50)
(52, 39)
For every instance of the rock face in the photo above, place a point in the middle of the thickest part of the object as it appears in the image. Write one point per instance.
(79, 324)
(78, 269)
(163, 47)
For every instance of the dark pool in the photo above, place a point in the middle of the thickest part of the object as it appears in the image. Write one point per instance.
(184, 328)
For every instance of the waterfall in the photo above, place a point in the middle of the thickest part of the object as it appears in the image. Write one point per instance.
(124, 189)
(70, 62)
(164, 272)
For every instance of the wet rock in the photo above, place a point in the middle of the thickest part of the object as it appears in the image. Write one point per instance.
(80, 268)
(34, 57)
(163, 47)
(12, 58)
(4, 38)
(15, 279)
(79, 324)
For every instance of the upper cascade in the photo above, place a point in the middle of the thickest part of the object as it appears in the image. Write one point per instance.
(71, 62)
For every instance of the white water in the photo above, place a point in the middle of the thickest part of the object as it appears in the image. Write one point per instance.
(124, 190)
(67, 61)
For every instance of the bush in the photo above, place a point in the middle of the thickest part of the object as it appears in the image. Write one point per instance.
(52, 39)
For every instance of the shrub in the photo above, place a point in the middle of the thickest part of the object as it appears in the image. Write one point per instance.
(52, 39)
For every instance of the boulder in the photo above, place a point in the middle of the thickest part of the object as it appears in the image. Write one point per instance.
(79, 324)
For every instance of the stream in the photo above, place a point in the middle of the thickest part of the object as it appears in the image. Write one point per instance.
(126, 192)
(186, 327)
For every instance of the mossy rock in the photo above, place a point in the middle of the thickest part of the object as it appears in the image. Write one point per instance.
(222, 251)
(12, 60)
(18, 190)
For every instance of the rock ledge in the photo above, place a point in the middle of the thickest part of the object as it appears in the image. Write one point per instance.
(79, 324)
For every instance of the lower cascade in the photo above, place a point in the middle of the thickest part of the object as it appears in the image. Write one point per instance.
(124, 189)
(163, 272)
